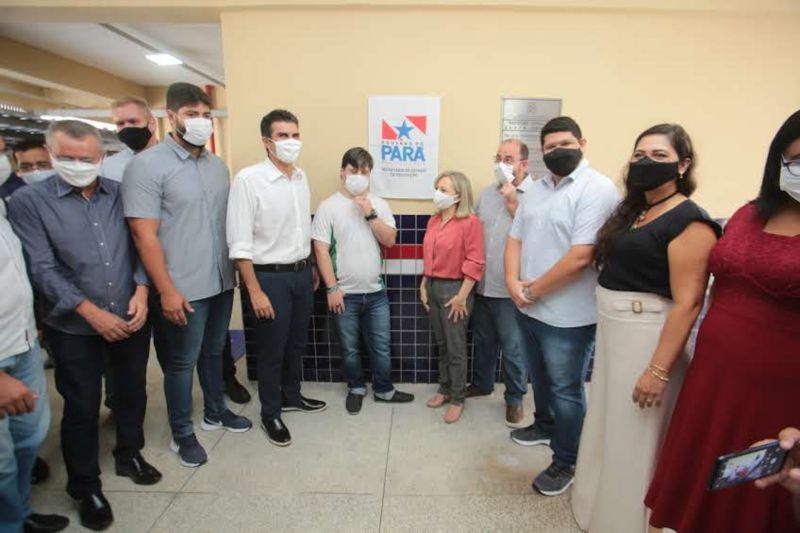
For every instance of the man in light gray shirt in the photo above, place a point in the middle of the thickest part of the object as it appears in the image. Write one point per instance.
(494, 325)
(175, 196)
(549, 275)
(136, 129)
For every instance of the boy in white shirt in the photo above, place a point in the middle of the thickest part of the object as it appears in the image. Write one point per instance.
(348, 229)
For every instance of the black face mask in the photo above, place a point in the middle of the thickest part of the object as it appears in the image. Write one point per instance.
(135, 138)
(646, 174)
(562, 161)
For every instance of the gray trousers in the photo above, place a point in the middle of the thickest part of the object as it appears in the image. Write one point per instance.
(450, 337)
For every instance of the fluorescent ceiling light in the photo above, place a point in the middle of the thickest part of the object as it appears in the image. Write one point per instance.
(96, 123)
(164, 60)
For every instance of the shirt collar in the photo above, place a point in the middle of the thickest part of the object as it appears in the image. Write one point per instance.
(547, 179)
(63, 188)
(273, 172)
(179, 150)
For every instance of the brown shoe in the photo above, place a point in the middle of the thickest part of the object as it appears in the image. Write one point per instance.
(514, 415)
(474, 392)
(453, 413)
(437, 400)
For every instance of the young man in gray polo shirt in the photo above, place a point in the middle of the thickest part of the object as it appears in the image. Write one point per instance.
(494, 325)
(176, 196)
(549, 274)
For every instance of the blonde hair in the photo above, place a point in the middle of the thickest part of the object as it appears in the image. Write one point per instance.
(126, 100)
(463, 189)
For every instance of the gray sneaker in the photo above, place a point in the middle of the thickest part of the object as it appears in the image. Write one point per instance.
(228, 421)
(530, 436)
(555, 480)
(189, 451)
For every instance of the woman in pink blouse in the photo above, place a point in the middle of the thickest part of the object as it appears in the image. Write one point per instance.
(453, 262)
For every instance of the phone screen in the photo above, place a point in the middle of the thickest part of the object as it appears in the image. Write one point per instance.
(747, 465)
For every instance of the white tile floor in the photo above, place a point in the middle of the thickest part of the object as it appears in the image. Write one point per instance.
(391, 468)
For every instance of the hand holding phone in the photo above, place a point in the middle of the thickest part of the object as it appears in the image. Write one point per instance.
(747, 465)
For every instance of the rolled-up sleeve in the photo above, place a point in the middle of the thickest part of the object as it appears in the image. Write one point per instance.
(46, 275)
(142, 190)
(239, 226)
(474, 259)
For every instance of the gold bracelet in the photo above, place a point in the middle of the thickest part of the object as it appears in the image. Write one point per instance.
(657, 375)
(660, 368)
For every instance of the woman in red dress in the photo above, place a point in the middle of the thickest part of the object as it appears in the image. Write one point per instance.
(744, 380)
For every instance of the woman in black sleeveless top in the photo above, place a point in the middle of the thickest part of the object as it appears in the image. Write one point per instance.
(653, 254)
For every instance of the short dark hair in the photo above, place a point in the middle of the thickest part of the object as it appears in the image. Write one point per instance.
(357, 158)
(276, 115)
(182, 94)
(554, 125)
(771, 198)
(30, 143)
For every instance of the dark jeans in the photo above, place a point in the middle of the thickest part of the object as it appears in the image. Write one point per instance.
(494, 326)
(197, 344)
(365, 316)
(451, 338)
(80, 360)
(557, 360)
(281, 341)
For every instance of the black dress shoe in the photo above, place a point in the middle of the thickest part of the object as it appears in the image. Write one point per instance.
(140, 471)
(397, 397)
(353, 403)
(277, 433)
(43, 523)
(236, 391)
(41, 471)
(304, 405)
(95, 512)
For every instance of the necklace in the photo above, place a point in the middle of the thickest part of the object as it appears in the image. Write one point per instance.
(648, 207)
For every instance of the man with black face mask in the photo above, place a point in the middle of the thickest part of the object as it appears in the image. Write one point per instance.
(136, 129)
(548, 259)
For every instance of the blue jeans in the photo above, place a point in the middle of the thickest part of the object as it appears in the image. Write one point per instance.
(20, 437)
(365, 316)
(557, 363)
(199, 343)
(494, 326)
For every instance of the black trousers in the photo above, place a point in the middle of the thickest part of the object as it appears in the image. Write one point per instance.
(80, 361)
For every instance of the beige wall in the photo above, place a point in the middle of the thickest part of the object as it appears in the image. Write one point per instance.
(726, 77)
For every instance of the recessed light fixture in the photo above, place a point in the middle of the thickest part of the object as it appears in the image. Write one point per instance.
(164, 60)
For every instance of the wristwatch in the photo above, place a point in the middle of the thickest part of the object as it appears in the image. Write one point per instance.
(372, 215)
(331, 290)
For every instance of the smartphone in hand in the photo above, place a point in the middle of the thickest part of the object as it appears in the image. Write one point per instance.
(747, 465)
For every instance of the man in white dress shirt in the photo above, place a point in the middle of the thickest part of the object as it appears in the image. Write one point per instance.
(269, 238)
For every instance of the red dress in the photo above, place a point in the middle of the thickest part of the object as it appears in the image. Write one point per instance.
(743, 385)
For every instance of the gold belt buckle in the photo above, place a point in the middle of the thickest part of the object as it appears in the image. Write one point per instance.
(637, 307)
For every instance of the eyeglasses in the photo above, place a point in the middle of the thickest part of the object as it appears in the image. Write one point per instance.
(792, 166)
(39, 165)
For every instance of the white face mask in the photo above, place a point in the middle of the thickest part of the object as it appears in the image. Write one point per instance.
(5, 168)
(198, 131)
(503, 173)
(35, 176)
(790, 184)
(356, 183)
(76, 173)
(442, 200)
(288, 150)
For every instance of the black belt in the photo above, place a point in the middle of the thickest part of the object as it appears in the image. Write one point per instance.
(290, 267)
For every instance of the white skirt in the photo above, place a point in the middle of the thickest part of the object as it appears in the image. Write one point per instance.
(620, 441)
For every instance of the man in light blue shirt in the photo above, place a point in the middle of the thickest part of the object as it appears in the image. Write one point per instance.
(549, 274)
(136, 129)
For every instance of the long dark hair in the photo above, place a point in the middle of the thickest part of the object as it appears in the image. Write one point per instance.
(634, 202)
(771, 198)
